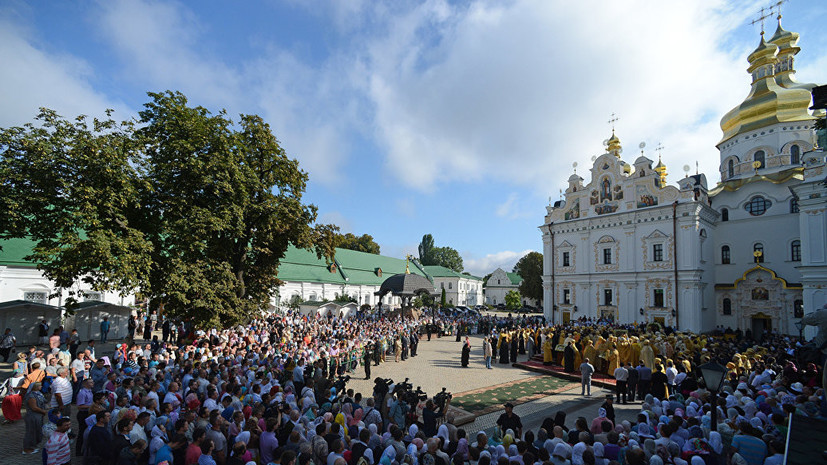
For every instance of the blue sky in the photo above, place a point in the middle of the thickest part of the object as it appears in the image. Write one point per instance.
(458, 119)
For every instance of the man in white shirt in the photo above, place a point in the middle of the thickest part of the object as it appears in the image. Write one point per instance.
(671, 372)
(138, 430)
(62, 392)
(621, 375)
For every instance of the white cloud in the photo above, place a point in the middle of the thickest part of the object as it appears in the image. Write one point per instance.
(518, 91)
(482, 266)
(32, 77)
(308, 109)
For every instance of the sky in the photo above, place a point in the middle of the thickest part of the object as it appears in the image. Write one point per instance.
(459, 119)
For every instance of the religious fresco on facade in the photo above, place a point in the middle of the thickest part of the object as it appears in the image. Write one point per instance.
(604, 208)
(759, 293)
(594, 198)
(644, 197)
(605, 189)
(618, 195)
(574, 212)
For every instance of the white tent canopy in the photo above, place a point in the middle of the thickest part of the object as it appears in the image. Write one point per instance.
(88, 317)
(23, 317)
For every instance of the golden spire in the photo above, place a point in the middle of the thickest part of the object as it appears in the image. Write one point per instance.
(407, 268)
(614, 145)
(660, 168)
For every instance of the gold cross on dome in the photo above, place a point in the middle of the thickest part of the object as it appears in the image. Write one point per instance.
(777, 6)
(763, 14)
(659, 149)
(612, 121)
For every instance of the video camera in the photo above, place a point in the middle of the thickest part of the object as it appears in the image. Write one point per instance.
(340, 383)
(442, 397)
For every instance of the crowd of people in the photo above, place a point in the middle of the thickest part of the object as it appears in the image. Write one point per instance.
(275, 392)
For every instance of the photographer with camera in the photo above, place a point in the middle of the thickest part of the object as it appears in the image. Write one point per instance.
(435, 410)
(399, 408)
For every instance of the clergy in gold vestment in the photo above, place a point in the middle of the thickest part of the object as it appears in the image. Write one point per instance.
(635, 350)
(624, 350)
(614, 358)
(647, 355)
(589, 351)
(548, 354)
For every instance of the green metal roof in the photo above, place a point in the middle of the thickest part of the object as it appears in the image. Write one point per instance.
(514, 277)
(296, 265)
(14, 250)
(358, 267)
(438, 271)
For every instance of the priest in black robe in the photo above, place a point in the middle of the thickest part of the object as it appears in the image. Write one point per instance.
(568, 358)
(466, 352)
(504, 349)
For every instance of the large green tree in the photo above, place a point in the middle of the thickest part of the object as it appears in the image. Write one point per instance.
(72, 187)
(530, 268)
(425, 249)
(430, 254)
(447, 257)
(363, 243)
(192, 209)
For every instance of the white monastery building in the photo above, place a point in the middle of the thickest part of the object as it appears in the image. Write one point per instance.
(747, 253)
(502, 282)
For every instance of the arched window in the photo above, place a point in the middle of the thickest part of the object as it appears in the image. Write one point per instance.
(794, 205)
(727, 307)
(725, 257)
(795, 251)
(798, 309)
(757, 205)
(724, 214)
(759, 257)
(730, 169)
(759, 157)
(795, 155)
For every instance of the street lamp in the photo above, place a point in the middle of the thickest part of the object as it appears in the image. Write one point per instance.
(800, 326)
(714, 375)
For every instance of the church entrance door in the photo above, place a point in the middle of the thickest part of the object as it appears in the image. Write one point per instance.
(660, 319)
(566, 317)
(760, 323)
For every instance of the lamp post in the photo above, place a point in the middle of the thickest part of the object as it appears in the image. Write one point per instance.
(800, 326)
(714, 375)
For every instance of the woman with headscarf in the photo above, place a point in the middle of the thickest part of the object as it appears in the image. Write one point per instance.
(462, 450)
(442, 433)
(388, 456)
(596, 427)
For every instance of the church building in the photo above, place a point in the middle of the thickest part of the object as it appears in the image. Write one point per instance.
(746, 253)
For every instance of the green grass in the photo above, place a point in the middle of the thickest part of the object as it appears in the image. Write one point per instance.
(499, 395)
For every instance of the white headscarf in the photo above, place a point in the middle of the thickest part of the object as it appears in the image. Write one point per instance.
(715, 441)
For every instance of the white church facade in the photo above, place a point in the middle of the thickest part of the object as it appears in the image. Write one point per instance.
(748, 253)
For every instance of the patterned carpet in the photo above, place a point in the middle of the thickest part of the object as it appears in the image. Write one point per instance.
(488, 399)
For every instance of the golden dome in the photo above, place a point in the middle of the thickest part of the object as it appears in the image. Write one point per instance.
(660, 168)
(788, 48)
(768, 102)
(614, 145)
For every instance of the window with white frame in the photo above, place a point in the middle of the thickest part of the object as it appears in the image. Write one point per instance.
(566, 296)
(566, 259)
(657, 252)
(607, 256)
(658, 298)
